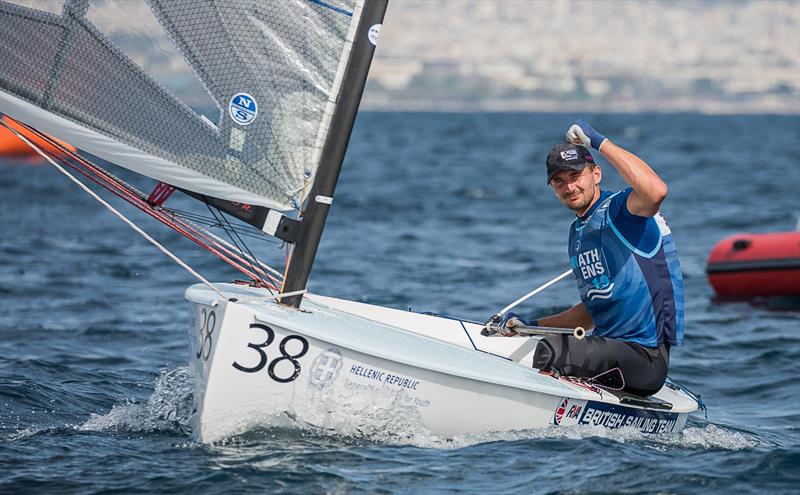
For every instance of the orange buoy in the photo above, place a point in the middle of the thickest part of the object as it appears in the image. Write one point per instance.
(745, 265)
(12, 145)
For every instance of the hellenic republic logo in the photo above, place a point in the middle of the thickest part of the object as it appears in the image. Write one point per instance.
(325, 368)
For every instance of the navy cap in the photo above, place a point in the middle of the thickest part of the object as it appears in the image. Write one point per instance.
(567, 156)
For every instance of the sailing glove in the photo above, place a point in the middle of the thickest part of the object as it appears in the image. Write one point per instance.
(582, 133)
(511, 316)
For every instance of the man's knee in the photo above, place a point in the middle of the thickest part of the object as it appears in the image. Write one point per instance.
(546, 351)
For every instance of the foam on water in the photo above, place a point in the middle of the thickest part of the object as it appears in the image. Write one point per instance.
(24, 433)
(169, 408)
(709, 436)
(386, 419)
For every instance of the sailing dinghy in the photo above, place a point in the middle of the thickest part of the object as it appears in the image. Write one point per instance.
(286, 79)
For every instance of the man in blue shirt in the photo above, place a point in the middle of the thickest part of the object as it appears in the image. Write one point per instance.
(626, 266)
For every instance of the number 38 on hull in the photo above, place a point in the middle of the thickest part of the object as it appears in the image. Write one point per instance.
(354, 367)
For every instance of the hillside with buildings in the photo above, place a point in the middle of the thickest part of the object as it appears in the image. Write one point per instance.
(709, 56)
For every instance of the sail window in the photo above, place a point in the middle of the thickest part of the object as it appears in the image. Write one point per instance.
(149, 47)
(128, 81)
(53, 6)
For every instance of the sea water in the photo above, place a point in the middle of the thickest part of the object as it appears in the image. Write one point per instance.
(433, 212)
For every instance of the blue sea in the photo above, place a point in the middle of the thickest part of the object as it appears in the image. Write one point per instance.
(433, 212)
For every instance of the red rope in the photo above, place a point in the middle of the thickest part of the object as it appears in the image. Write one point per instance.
(191, 232)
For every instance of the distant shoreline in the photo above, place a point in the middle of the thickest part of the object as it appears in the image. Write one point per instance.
(384, 104)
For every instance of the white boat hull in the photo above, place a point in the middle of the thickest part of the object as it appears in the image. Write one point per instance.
(339, 365)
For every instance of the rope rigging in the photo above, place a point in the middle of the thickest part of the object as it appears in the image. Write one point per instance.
(184, 223)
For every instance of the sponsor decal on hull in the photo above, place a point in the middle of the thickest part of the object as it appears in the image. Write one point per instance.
(567, 413)
(613, 416)
(384, 377)
(377, 380)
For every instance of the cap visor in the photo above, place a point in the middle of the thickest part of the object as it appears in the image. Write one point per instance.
(572, 167)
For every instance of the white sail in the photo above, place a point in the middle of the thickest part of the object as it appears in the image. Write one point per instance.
(273, 70)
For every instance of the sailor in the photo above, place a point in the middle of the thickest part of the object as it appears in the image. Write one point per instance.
(626, 265)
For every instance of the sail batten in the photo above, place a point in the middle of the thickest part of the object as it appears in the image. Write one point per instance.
(271, 67)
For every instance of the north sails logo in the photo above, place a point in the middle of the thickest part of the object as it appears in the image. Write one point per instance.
(243, 108)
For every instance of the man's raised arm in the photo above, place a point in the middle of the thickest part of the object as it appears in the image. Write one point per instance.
(649, 190)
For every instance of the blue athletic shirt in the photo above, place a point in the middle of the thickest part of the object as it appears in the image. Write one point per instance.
(628, 273)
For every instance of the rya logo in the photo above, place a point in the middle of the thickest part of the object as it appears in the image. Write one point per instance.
(559, 414)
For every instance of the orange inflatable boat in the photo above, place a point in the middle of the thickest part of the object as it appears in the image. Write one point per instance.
(11, 145)
(745, 265)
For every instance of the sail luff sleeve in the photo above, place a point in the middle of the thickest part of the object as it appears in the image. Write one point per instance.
(333, 151)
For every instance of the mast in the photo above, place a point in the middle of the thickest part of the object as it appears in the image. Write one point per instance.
(333, 151)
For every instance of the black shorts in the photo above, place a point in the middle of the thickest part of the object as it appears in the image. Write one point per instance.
(641, 370)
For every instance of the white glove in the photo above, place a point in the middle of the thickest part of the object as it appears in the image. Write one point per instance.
(584, 134)
(504, 328)
(575, 135)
